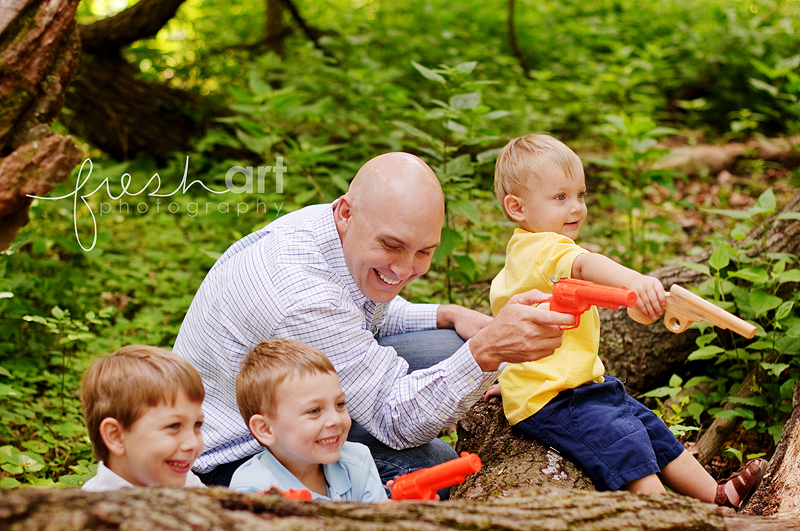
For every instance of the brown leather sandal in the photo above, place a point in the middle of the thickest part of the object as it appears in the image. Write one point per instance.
(745, 482)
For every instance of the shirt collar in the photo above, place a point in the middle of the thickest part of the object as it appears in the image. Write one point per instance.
(335, 474)
(330, 246)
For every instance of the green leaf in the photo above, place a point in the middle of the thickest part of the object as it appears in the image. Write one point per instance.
(705, 353)
(764, 86)
(6, 295)
(719, 258)
(428, 73)
(735, 214)
(675, 381)
(790, 215)
(450, 238)
(756, 275)
(9, 483)
(57, 312)
(755, 401)
(463, 102)
(793, 275)
(14, 470)
(468, 209)
(467, 265)
(465, 68)
(765, 204)
(775, 369)
(761, 302)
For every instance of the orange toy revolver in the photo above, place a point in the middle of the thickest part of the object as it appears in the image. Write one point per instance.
(423, 484)
(577, 296)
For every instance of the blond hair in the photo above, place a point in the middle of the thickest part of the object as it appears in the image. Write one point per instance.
(127, 383)
(525, 158)
(267, 366)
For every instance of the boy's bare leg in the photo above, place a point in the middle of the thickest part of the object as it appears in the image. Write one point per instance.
(648, 485)
(685, 475)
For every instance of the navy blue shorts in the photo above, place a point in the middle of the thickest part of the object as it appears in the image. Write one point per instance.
(613, 437)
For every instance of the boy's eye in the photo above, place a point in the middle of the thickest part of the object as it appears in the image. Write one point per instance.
(174, 426)
(198, 424)
(341, 405)
(561, 196)
(314, 411)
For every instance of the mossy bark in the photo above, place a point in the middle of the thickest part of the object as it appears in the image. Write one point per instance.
(39, 50)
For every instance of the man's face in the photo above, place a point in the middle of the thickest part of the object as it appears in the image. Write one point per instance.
(386, 248)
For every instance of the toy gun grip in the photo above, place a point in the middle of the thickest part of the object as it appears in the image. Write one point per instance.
(423, 484)
(684, 308)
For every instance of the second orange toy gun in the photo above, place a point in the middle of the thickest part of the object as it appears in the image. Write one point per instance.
(574, 297)
(423, 484)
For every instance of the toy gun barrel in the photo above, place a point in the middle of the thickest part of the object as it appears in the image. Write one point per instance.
(423, 484)
(577, 296)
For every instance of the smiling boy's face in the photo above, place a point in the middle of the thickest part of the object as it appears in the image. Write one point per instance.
(311, 422)
(161, 446)
(552, 203)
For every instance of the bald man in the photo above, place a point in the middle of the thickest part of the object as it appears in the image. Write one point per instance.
(329, 275)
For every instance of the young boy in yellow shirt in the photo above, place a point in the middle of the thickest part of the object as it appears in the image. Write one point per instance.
(564, 400)
(143, 408)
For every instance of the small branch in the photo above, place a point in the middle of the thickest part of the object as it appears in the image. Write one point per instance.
(512, 35)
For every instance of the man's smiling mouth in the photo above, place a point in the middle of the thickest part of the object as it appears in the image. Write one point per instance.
(388, 281)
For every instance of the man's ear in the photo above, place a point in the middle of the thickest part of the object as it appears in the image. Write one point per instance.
(112, 433)
(343, 213)
(261, 428)
(514, 207)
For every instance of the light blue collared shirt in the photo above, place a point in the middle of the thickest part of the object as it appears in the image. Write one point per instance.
(354, 477)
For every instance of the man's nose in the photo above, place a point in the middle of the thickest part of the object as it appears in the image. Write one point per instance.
(403, 267)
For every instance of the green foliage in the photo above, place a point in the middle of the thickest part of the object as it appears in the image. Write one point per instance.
(458, 124)
(632, 173)
(762, 288)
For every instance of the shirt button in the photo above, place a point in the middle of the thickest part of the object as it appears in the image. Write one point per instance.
(486, 384)
(471, 382)
(442, 416)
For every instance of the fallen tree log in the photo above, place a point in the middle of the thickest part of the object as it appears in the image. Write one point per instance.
(168, 509)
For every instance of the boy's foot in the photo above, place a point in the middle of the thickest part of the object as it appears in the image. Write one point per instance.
(744, 484)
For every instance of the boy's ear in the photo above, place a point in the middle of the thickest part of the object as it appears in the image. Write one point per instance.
(112, 433)
(514, 207)
(261, 428)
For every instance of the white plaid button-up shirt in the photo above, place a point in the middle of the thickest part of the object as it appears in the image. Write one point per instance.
(290, 280)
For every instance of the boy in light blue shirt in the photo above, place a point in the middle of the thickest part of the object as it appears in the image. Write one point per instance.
(291, 400)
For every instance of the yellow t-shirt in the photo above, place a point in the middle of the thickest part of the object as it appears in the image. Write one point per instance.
(531, 259)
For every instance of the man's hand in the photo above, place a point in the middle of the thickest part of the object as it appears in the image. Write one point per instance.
(466, 322)
(519, 333)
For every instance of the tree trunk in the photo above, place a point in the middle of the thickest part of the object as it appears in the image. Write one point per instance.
(275, 30)
(167, 509)
(117, 111)
(39, 50)
(779, 494)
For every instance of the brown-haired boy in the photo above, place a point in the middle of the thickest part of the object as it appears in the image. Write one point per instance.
(142, 406)
(291, 400)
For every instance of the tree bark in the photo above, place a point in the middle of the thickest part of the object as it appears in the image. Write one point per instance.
(39, 50)
(117, 111)
(779, 494)
(167, 509)
(509, 463)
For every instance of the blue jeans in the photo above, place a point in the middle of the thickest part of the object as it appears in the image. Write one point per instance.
(421, 350)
